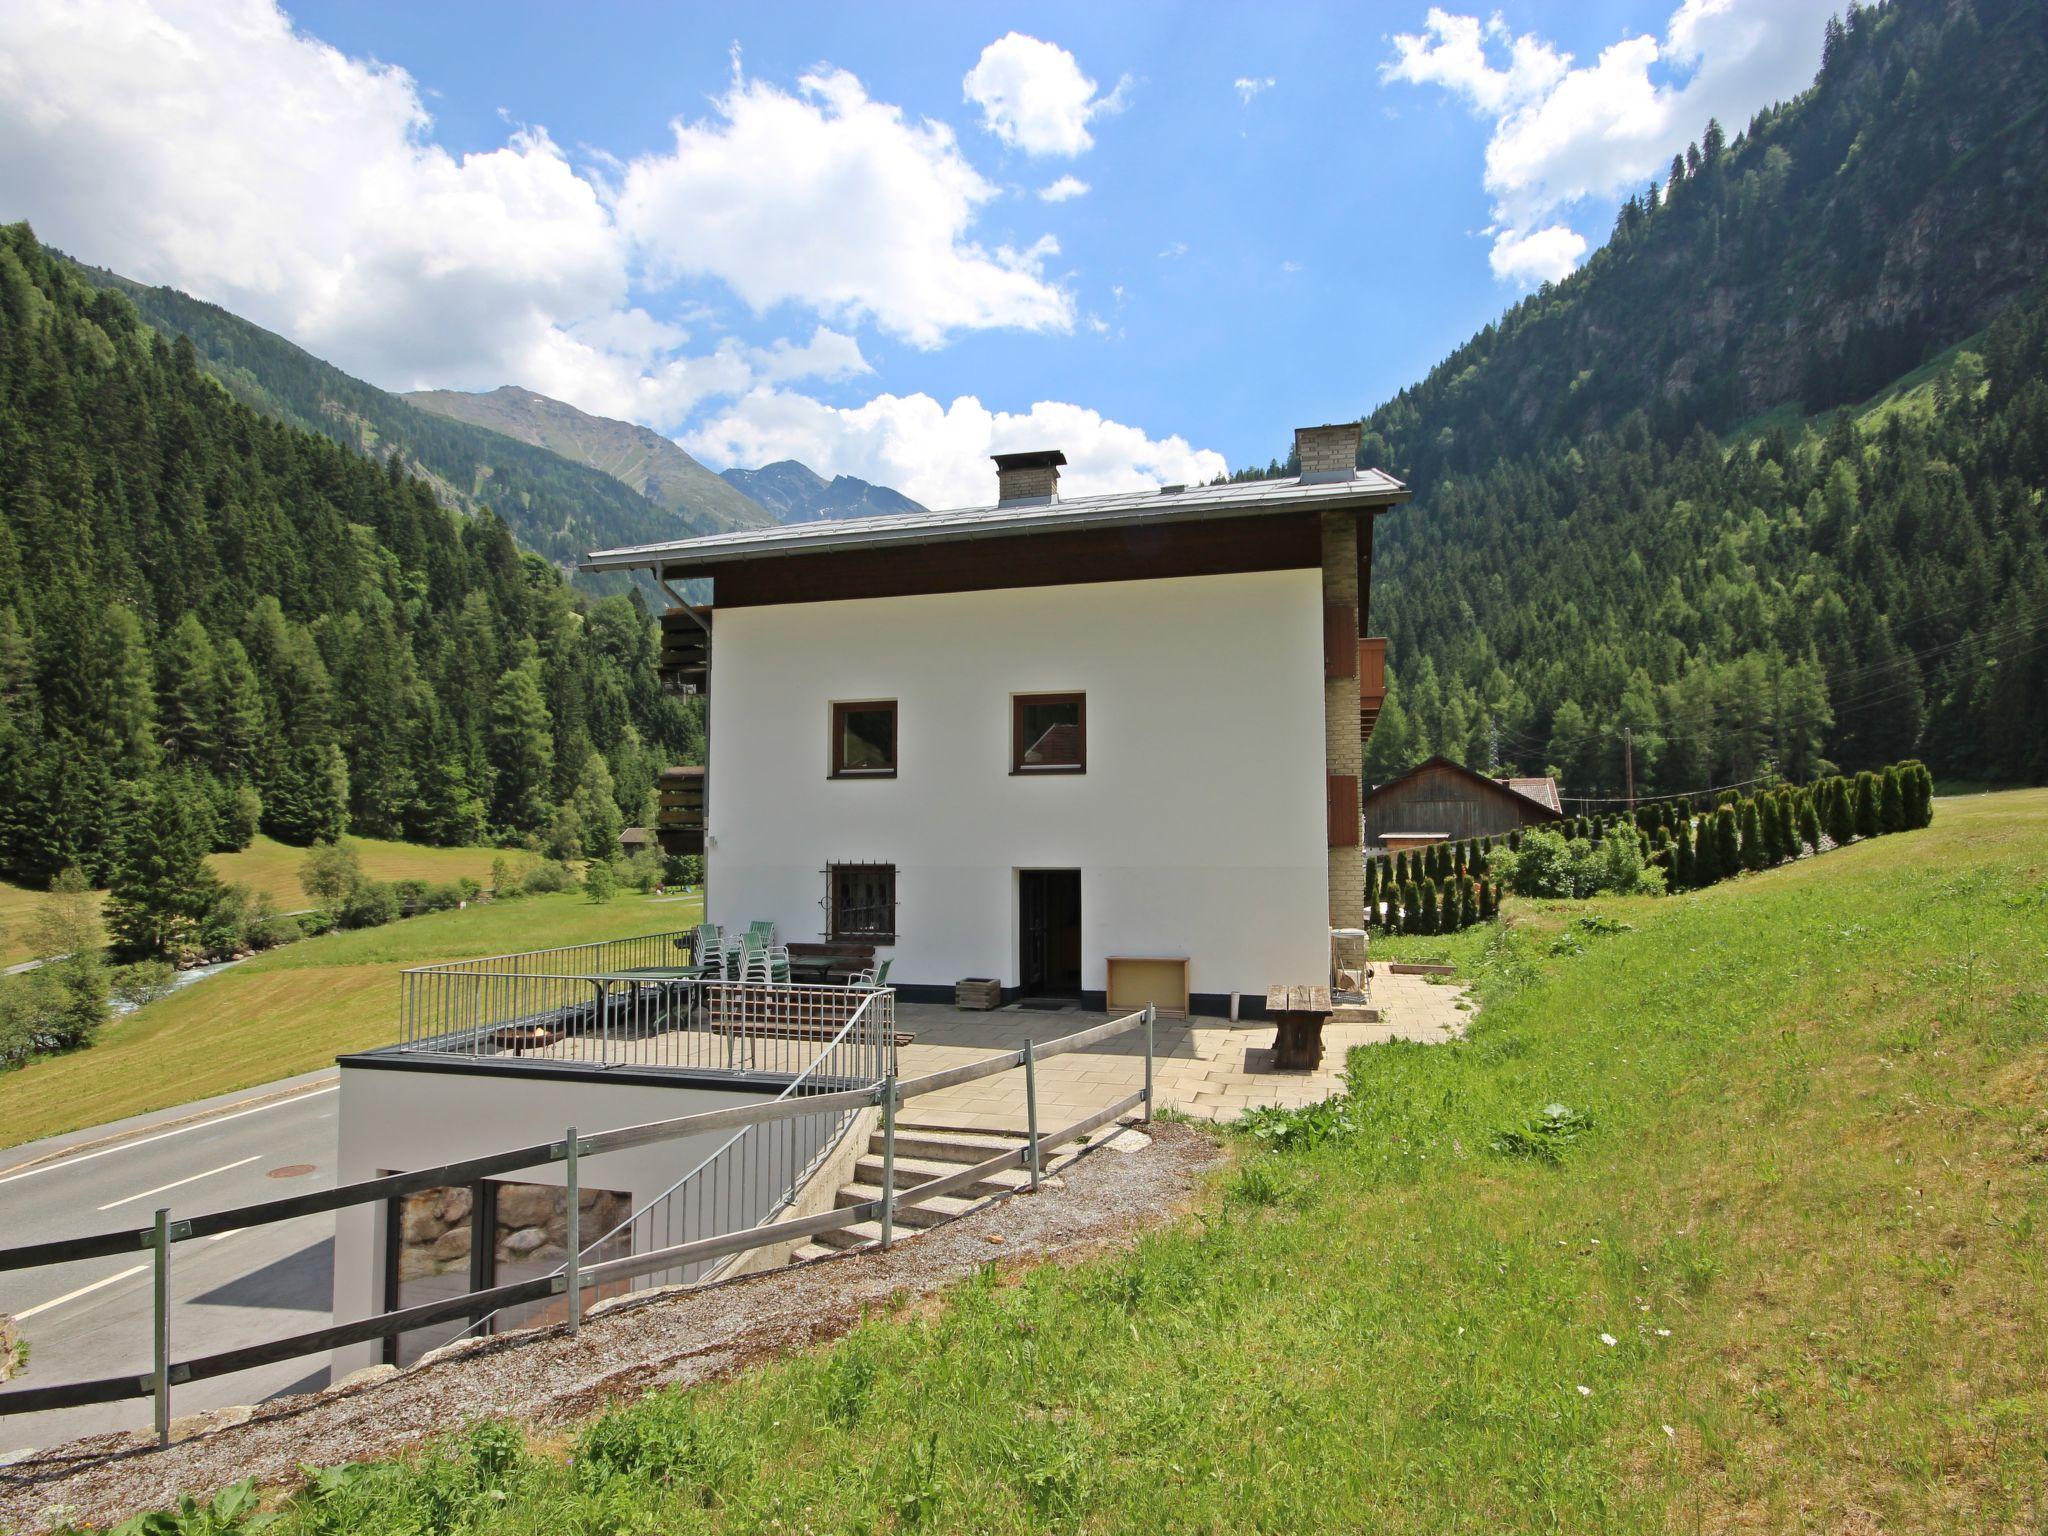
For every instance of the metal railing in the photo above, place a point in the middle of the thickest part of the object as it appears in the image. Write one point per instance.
(160, 1238)
(610, 1004)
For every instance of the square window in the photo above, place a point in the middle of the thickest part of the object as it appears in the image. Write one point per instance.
(864, 740)
(860, 902)
(1049, 733)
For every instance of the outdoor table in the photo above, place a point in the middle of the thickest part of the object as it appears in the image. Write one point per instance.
(1299, 1014)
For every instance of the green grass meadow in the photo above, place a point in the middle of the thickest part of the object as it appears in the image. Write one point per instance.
(1783, 1266)
(293, 1009)
(272, 868)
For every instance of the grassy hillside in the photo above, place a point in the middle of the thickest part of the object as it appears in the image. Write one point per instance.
(292, 1010)
(272, 868)
(1789, 1276)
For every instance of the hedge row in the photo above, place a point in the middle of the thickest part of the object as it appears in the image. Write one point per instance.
(1442, 887)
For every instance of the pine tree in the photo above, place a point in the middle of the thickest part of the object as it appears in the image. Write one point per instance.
(159, 888)
(188, 704)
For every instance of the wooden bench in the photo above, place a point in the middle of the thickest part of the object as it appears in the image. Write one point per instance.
(1299, 1014)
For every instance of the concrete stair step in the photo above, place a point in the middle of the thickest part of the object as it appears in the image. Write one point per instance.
(807, 1251)
(928, 1212)
(860, 1234)
(919, 1170)
(942, 1146)
(1351, 1013)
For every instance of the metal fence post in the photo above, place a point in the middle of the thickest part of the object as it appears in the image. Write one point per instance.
(1031, 1111)
(573, 1234)
(1151, 1013)
(160, 1243)
(889, 1160)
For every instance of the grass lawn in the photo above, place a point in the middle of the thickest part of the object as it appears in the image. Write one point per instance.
(272, 867)
(293, 1009)
(1788, 1273)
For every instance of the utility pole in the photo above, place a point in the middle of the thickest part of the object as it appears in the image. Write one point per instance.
(1628, 763)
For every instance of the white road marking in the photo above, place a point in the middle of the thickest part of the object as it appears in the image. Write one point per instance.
(83, 1290)
(197, 1125)
(192, 1178)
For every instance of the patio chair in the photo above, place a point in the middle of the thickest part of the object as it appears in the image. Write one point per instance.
(710, 951)
(761, 933)
(875, 976)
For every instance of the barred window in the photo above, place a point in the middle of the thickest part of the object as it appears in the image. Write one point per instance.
(860, 901)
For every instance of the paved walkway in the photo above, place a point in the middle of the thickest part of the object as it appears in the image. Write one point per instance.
(1208, 1068)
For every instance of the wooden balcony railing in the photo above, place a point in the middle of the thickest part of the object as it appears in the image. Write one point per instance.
(1372, 682)
(679, 819)
(686, 651)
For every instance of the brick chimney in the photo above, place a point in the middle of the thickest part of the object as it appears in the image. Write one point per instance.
(1023, 479)
(1327, 454)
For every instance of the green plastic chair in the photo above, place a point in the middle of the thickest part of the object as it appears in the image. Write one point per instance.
(760, 934)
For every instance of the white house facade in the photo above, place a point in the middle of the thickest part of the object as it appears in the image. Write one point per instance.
(1025, 741)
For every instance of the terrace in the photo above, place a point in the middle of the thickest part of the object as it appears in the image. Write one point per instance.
(621, 1006)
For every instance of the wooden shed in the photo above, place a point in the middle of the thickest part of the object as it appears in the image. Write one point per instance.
(1442, 799)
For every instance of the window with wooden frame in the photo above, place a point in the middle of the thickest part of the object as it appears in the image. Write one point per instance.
(1049, 733)
(864, 740)
(860, 902)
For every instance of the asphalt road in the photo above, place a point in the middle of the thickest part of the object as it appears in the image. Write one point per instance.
(92, 1318)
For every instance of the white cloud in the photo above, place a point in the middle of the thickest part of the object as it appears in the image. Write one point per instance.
(1063, 190)
(829, 354)
(1250, 86)
(1563, 132)
(1034, 97)
(1542, 256)
(938, 454)
(211, 145)
(1290, 266)
(833, 200)
(1174, 250)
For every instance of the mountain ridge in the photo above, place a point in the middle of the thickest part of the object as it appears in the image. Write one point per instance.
(796, 493)
(637, 457)
(555, 506)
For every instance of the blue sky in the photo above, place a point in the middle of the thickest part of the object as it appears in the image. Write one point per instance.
(818, 230)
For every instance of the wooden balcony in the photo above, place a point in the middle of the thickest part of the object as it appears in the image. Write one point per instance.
(679, 819)
(686, 651)
(1372, 682)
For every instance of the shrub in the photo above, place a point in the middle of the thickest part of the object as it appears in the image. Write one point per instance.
(143, 982)
(1891, 801)
(1754, 855)
(369, 904)
(329, 872)
(1541, 866)
(1545, 1136)
(1426, 913)
(600, 881)
(1727, 843)
(642, 869)
(549, 877)
(1869, 820)
(1808, 823)
(411, 895)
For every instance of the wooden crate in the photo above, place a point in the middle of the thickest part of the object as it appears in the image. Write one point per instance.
(981, 992)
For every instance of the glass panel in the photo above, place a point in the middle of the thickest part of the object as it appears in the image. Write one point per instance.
(433, 1261)
(1049, 733)
(529, 1236)
(867, 740)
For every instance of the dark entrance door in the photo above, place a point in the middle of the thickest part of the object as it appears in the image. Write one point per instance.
(1051, 948)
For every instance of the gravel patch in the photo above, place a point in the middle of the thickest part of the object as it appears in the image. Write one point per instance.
(1106, 1197)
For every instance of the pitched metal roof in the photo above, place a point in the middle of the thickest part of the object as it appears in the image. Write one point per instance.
(1371, 487)
(1512, 787)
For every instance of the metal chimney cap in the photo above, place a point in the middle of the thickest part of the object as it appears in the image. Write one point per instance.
(1041, 458)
